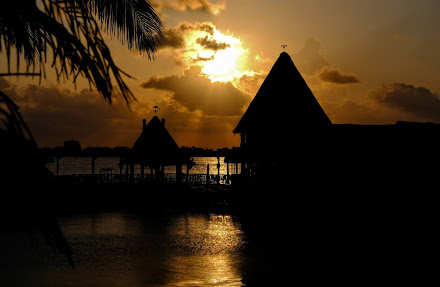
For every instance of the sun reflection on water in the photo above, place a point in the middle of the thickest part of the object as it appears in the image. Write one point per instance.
(208, 251)
(120, 249)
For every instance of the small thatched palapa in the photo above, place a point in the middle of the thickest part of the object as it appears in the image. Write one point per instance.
(155, 146)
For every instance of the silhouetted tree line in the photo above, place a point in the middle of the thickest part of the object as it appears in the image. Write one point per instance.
(69, 150)
(87, 152)
(201, 152)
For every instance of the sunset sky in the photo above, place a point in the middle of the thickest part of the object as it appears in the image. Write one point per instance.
(367, 62)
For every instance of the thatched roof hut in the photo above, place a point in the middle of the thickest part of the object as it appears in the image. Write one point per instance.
(284, 102)
(284, 114)
(286, 130)
(156, 147)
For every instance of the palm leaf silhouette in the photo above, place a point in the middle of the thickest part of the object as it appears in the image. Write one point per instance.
(27, 202)
(69, 31)
(67, 34)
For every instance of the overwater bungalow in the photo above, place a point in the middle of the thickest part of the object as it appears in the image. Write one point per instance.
(362, 193)
(286, 133)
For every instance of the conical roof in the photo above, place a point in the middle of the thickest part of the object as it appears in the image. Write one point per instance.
(284, 101)
(155, 145)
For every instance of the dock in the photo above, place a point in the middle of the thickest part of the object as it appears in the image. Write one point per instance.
(194, 192)
(167, 178)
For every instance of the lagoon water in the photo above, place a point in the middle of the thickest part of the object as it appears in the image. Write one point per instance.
(125, 249)
(129, 248)
(296, 241)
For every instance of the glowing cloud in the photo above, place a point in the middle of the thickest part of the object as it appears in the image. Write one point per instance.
(206, 6)
(221, 56)
(226, 61)
(194, 91)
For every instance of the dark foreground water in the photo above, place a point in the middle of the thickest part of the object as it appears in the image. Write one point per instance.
(300, 243)
(125, 249)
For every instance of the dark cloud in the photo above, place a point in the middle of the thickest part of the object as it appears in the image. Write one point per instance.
(335, 76)
(55, 115)
(172, 38)
(354, 112)
(191, 128)
(207, 27)
(175, 37)
(418, 101)
(196, 92)
(211, 44)
(203, 59)
(309, 59)
(205, 6)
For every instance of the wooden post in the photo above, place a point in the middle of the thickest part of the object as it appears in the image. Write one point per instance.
(218, 170)
(126, 172)
(227, 173)
(93, 164)
(151, 174)
(157, 174)
(142, 172)
(58, 164)
(208, 181)
(132, 172)
(179, 173)
(187, 173)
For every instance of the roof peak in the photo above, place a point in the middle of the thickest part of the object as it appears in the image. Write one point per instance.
(284, 56)
(285, 85)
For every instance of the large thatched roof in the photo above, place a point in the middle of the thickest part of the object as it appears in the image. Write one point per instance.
(283, 102)
(155, 146)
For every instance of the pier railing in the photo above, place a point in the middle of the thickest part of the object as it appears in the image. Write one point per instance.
(193, 179)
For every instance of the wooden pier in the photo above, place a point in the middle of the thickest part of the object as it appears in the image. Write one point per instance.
(196, 192)
(167, 178)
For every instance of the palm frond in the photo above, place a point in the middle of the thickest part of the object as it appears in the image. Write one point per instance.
(134, 22)
(22, 32)
(20, 155)
(83, 51)
(12, 120)
(68, 28)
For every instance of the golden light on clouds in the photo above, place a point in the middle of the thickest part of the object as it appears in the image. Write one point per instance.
(206, 6)
(221, 56)
(215, 55)
(226, 62)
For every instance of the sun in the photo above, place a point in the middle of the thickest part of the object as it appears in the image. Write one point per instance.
(226, 61)
(219, 55)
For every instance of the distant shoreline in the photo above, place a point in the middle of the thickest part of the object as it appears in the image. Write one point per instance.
(123, 151)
